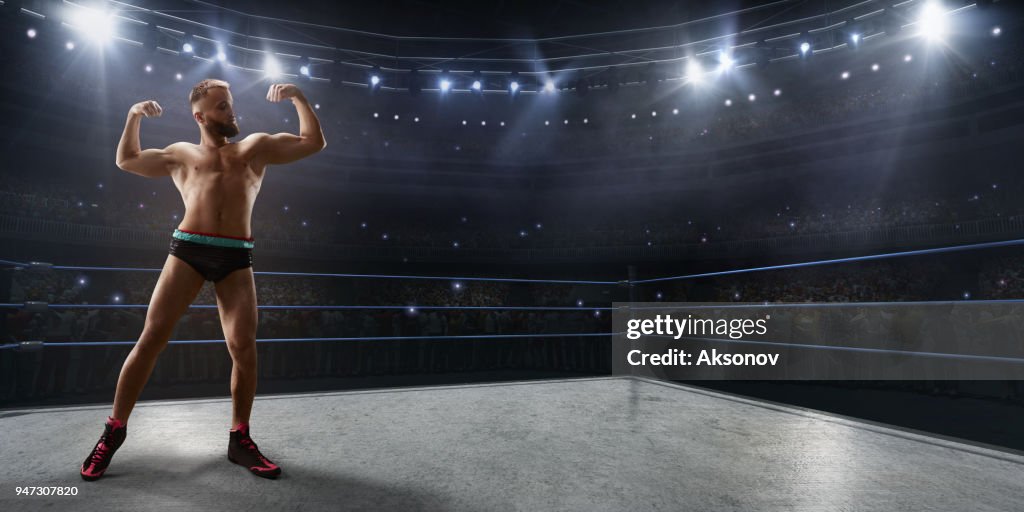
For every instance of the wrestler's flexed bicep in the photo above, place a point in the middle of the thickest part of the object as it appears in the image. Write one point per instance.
(283, 148)
(151, 163)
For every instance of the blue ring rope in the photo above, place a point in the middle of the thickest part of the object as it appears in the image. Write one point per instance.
(368, 338)
(358, 276)
(753, 305)
(942, 355)
(559, 308)
(314, 307)
(936, 250)
(500, 336)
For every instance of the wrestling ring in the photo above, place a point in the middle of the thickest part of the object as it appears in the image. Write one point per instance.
(623, 441)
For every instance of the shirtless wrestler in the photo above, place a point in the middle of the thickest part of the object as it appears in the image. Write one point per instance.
(218, 181)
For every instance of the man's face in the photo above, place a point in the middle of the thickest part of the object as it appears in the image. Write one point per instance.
(216, 111)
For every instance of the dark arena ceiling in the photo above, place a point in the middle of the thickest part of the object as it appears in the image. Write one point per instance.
(503, 18)
(343, 40)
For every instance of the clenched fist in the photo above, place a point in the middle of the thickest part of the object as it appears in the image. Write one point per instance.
(146, 108)
(280, 92)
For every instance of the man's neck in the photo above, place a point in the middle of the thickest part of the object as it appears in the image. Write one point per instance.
(211, 140)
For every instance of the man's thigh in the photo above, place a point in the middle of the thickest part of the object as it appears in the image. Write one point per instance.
(236, 302)
(175, 290)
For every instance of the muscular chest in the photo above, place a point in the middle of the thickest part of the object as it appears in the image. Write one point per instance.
(220, 165)
(222, 168)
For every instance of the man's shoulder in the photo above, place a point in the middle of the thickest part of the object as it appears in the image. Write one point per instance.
(179, 146)
(254, 138)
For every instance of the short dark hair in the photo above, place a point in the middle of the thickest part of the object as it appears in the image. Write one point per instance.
(202, 88)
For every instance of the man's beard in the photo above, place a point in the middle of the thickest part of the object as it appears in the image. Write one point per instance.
(227, 130)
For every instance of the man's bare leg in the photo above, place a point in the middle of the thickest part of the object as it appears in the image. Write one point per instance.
(175, 290)
(236, 300)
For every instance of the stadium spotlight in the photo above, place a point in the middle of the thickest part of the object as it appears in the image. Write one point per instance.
(513, 82)
(305, 68)
(187, 45)
(725, 61)
(374, 79)
(549, 85)
(852, 32)
(446, 81)
(996, 31)
(478, 82)
(95, 25)
(31, 33)
(805, 46)
(221, 55)
(70, 45)
(932, 22)
(272, 68)
(694, 71)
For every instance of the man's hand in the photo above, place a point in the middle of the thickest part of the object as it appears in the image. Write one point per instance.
(146, 108)
(280, 92)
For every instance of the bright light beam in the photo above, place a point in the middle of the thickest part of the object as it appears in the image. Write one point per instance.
(933, 23)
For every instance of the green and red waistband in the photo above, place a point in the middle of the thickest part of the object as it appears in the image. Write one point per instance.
(214, 239)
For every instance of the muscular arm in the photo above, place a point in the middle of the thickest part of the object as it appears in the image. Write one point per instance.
(282, 148)
(151, 163)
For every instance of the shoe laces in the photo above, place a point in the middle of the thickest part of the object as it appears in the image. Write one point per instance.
(101, 450)
(250, 445)
(247, 443)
